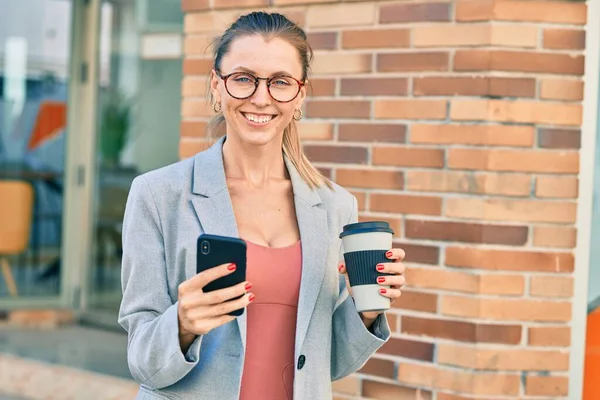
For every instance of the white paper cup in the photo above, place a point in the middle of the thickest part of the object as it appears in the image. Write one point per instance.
(365, 245)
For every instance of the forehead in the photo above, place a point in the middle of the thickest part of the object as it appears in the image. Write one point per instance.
(262, 56)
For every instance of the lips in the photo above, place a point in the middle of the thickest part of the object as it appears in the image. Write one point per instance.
(258, 118)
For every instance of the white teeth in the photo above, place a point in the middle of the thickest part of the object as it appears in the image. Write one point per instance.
(261, 119)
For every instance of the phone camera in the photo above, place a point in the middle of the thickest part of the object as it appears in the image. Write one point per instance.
(205, 247)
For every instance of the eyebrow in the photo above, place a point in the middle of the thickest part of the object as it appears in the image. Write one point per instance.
(277, 73)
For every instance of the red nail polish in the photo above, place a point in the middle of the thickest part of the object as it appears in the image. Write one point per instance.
(251, 297)
(381, 279)
(231, 267)
(340, 267)
(380, 267)
(382, 291)
(248, 286)
(389, 254)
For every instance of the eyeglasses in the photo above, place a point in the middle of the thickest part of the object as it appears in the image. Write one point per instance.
(242, 85)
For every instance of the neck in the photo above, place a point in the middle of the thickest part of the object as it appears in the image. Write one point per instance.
(254, 164)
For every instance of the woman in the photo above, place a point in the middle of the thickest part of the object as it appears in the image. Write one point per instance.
(301, 329)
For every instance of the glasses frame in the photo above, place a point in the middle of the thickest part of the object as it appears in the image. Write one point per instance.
(257, 80)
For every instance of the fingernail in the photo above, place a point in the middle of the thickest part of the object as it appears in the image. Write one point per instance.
(251, 297)
(231, 267)
(381, 279)
(382, 291)
(340, 267)
(380, 267)
(388, 254)
(248, 286)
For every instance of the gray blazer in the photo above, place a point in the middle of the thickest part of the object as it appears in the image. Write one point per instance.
(166, 211)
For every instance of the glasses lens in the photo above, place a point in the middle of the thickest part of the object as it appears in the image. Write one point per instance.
(283, 88)
(241, 85)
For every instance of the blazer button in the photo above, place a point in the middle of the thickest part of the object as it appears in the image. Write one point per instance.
(301, 361)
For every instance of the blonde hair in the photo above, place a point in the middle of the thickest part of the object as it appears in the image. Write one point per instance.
(271, 25)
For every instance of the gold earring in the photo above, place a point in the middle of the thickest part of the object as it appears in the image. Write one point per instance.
(299, 116)
(216, 107)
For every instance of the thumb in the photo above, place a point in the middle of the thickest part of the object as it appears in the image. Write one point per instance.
(342, 267)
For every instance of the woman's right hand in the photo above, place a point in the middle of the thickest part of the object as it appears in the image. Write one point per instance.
(199, 312)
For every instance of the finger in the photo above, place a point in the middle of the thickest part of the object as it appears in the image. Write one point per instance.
(395, 254)
(393, 280)
(199, 298)
(342, 267)
(226, 294)
(218, 310)
(207, 325)
(391, 268)
(390, 293)
(203, 278)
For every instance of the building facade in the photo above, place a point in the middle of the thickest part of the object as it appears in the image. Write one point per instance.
(470, 125)
(463, 123)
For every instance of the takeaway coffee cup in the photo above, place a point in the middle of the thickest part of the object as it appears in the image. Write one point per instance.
(365, 245)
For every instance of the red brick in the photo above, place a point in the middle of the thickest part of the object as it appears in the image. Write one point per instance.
(321, 87)
(387, 391)
(379, 367)
(564, 39)
(416, 62)
(555, 236)
(417, 301)
(338, 109)
(240, 3)
(372, 132)
(408, 157)
(461, 331)
(555, 138)
(474, 86)
(516, 185)
(375, 38)
(408, 348)
(506, 309)
(194, 5)
(417, 253)
(195, 129)
(511, 210)
(197, 66)
(374, 87)
(509, 260)
(541, 11)
(466, 232)
(547, 385)
(336, 154)
(483, 135)
(370, 178)
(558, 187)
(405, 204)
(561, 89)
(322, 40)
(517, 61)
(392, 13)
(410, 109)
(551, 286)
(514, 160)
(552, 336)
(474, 10)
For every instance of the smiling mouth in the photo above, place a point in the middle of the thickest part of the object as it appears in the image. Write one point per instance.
(258, 118)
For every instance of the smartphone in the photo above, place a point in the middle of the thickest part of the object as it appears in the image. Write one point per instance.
(214, 250)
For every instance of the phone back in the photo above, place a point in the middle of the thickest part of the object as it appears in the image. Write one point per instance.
(214, 250)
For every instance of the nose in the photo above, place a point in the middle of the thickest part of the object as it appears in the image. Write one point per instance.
(261, 97)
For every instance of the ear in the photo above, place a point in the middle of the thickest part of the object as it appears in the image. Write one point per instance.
(214, 86)
(301, 97)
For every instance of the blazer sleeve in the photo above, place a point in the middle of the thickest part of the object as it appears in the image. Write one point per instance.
(352, 343)
(147, 312)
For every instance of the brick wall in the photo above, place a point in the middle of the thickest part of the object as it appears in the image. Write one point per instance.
(458, 121)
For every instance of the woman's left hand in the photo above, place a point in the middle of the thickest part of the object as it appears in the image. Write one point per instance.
(392, 284)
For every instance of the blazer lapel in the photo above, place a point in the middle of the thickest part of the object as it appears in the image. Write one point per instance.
(312, 223)
(212, 202)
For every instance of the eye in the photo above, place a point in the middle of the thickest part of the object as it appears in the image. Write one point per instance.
(243, 78)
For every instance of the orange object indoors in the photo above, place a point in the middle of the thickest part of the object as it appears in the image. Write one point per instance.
(51, 119)
(591, 384)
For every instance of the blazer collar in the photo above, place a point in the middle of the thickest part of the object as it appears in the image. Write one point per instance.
(209, 175)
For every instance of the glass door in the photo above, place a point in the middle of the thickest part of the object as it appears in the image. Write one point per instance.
(35, 82)
(138, 96)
